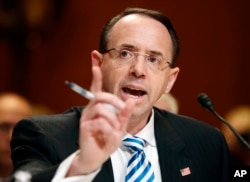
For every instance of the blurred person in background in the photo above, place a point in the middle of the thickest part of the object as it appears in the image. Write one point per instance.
(13, 107)
(239, 118)
(168, 102)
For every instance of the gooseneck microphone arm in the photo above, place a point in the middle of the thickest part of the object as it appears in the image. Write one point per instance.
(206, 102)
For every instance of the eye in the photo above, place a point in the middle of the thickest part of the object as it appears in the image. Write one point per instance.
(154, 59)
(125, 54)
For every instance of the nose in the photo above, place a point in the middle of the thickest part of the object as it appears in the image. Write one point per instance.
(138, 68)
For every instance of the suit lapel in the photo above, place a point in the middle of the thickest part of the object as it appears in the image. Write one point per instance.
(170, 148)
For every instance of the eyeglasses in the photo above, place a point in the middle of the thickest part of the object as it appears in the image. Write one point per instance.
(125, 56)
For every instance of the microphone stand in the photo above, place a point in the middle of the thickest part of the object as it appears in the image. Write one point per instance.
(240, 138)
(206, 102)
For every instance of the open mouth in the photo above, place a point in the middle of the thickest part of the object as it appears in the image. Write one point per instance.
(134, 92)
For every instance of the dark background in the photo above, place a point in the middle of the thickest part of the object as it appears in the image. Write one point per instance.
(44, 43)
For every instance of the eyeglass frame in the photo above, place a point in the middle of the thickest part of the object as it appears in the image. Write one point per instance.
(135, 54)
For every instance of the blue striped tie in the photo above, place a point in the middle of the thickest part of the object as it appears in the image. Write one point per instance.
(139, 168)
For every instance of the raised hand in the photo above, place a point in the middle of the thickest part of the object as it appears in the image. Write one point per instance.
(101, 129)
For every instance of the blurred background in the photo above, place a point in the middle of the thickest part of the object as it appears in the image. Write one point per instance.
(45, 42)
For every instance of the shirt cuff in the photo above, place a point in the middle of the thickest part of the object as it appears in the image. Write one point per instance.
(60, 175)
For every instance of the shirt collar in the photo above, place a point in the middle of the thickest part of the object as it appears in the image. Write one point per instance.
(148, 132)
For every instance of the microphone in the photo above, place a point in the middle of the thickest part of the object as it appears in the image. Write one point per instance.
(206, 102)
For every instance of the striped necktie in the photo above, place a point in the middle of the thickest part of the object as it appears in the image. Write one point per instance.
(139, 168)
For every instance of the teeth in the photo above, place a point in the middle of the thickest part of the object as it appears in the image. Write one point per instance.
(134, 92)
(133, 88)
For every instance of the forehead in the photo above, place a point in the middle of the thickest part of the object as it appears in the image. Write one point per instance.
(141, 31)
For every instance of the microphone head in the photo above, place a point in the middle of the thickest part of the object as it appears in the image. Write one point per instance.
(205, 101)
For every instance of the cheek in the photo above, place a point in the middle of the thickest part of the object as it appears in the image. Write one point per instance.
(156, 88)
(160, 82)
(108, 83)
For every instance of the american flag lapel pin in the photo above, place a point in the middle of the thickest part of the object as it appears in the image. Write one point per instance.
(185, 171)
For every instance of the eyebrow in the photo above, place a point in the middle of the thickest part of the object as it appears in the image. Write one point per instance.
(132, 47)
(129, 46)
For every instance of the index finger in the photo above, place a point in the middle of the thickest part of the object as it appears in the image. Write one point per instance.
(96, 83)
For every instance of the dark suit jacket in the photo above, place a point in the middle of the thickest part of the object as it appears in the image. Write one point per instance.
(39, 144)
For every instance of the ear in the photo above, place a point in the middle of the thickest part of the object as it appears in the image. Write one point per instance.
(96, 58)
(172, 78)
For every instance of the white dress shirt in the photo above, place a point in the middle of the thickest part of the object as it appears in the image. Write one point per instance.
(119, 159)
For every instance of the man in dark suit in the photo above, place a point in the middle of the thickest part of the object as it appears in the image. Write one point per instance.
(134, 66)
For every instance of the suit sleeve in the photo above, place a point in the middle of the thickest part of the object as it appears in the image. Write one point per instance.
(33, 152)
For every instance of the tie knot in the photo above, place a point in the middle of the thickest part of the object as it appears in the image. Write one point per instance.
(134, 143)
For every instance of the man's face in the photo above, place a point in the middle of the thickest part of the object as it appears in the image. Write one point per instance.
(137, 80)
